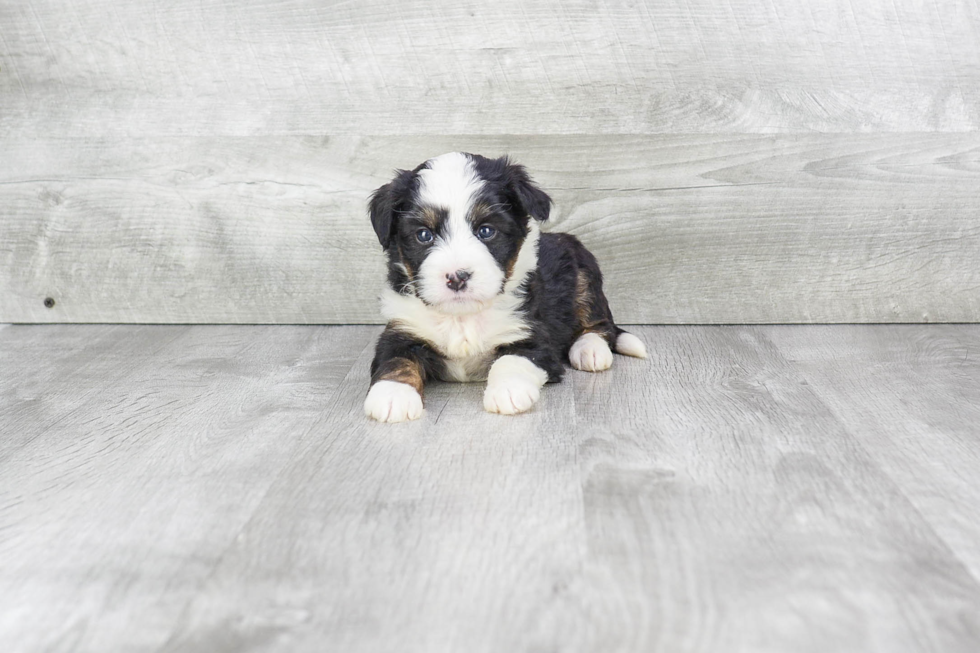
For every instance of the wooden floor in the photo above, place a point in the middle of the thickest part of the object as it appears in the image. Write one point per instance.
(212, 489)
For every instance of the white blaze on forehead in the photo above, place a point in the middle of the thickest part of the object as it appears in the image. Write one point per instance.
(450, 182)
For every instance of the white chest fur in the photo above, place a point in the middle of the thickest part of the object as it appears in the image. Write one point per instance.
(466, 341)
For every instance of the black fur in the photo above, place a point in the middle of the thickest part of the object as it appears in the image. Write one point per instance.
(387, 201)
(510, 182)
(397, 344)
(552, 308)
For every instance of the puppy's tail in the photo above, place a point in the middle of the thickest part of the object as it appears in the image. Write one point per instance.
(629, 345)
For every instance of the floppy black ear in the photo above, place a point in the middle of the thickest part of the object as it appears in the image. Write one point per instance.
(535, 202)
(384, 203)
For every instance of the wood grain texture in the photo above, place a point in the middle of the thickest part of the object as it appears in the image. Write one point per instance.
(744, 489)
(111, 67)
(729, 509)
(50, 375)
(117, 506)
(925, 385)
(688, 229)
(402, 538)
(188, 162)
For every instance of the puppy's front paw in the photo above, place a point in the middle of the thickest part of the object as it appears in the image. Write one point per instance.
(391, 401)
(591, 353)
(513, 385)
(510, 398)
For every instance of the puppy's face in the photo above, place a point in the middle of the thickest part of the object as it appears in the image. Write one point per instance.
(454, 228)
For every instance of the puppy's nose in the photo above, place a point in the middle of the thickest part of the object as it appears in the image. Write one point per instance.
(457, 280)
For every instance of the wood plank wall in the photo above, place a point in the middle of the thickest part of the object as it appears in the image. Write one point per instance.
(770, 161)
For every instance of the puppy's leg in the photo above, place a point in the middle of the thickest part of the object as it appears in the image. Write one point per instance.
(397, 379)
(597, 334)
(513, 385)
(596, 331)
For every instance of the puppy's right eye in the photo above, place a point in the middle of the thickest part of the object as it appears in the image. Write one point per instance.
(423, 236)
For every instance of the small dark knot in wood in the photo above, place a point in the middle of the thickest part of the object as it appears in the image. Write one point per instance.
(49, 302)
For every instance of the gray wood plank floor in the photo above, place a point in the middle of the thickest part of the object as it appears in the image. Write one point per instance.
(209, 489)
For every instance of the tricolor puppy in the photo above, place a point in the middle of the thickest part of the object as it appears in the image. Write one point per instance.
(476, 292)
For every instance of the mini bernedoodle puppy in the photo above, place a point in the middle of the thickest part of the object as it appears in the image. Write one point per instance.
(475, 291)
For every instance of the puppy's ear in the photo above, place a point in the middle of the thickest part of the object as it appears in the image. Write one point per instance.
(384, 205)
(535, 202)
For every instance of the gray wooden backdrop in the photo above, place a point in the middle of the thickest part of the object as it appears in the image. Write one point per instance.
(754, 161)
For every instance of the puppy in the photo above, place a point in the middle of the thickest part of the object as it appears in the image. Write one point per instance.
(476, 292)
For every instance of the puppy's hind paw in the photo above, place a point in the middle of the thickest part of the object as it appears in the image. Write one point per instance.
(590, 353)
(391, 401)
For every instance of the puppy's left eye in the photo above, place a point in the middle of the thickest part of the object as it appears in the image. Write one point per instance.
(486, 232)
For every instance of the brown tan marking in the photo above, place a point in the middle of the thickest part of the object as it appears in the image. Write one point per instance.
(512, 261)
(583, 302)
(587, 321)
(408, 268)
(479, 211)
(430, 217)
(483, 210)
(402, 370)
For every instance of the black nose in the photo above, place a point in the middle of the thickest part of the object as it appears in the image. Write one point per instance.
(457, 280)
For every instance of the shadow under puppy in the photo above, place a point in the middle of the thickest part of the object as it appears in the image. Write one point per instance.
(476, 292)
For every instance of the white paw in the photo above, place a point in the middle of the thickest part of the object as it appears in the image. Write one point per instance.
(513, 385)
(391, 401)
(510, 398)
(590, 353)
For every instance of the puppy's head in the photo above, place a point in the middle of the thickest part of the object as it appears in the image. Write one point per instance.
(456, 227)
